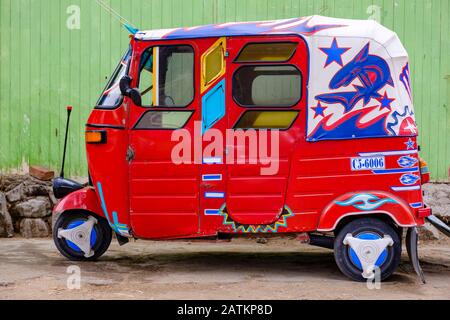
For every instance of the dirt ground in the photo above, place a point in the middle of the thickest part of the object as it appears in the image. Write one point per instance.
(240, 269)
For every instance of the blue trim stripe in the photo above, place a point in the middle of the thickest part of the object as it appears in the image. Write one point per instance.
(400, 170)
(212, 212)
(215, 195)
(416, 205)
(115, 224)
(212, 160)
(212, 177)
(388, 153)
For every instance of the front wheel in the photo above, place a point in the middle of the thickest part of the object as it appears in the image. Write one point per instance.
(365, 246)
(80, 236)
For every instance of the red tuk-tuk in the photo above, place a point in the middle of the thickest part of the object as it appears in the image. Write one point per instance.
(301, 125)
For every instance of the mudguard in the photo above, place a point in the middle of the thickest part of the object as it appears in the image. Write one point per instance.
(366, 203)
(411, 246)
(84, 199)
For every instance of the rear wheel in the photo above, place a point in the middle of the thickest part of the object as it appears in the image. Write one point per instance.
(369, 229)
(100, 237)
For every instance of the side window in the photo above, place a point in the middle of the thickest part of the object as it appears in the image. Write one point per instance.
(155, 119)
(166, 76)
(262, 119)
(146, 78)
(213, 63)
(267, 79)
(267, 86)
(267, 52)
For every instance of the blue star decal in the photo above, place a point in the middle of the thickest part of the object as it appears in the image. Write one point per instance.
(410, 144)
(385, 101)
(334, 53)
(318, 110)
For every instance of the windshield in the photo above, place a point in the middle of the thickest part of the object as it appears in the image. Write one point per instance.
(112, 96)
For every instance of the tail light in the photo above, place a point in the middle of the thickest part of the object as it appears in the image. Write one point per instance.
(424, 171)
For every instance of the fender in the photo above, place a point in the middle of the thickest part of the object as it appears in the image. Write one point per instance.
(366, 203)
(84, 199)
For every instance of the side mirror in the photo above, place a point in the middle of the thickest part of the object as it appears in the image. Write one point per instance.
(125, 85)
(135, 96)
(127, 91)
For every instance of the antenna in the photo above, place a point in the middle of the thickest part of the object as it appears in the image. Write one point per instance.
(127, 24)
(69, 111)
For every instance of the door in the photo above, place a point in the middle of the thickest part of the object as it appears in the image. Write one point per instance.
(214, 122)
(164, 185)
(266, 102)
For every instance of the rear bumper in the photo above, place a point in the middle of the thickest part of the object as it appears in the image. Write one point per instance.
(424, 212)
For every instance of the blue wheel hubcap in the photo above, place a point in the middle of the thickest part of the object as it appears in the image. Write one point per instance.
(367, 236)
(75, 224)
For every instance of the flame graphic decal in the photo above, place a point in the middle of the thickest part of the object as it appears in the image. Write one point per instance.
(365, 202)
(237, 227)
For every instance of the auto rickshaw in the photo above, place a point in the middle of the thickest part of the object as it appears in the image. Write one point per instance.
(171, 145)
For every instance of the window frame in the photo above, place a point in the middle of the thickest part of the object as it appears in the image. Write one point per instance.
(220, 43)
(194, 92)
(113, 76)
(266, 110)
(266, 65)
(265, 61)
(135, 126)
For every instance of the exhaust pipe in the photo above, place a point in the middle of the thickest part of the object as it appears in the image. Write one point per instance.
(321, 241)
(439, 224)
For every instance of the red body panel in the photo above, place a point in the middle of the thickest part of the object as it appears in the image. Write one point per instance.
(150, 197)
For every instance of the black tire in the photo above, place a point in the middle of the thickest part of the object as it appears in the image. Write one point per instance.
(102, 242)
(372, 226)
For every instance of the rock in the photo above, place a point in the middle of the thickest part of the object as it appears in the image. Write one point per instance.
(97, 282)
(437, 196)
(52, 197)
(9, 182)
(16, 194)
(42, 173)
(6, 284)
(34, 208)
(428, 232)
(261, 240)
(6, 224)
(35, 190)
(34, 228)
(16, 223)
(441, 194)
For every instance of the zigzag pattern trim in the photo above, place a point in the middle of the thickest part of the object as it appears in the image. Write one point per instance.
(262, 228)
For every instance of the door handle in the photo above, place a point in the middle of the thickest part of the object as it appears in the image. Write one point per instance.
(130, 154)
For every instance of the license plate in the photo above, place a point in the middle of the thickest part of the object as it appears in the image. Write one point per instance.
(367, 163)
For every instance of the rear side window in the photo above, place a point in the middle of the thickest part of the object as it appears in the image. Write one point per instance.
(263, 119)
(267, 52)
(267, 86)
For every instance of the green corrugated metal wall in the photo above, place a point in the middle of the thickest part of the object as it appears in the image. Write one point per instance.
(46, 65)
